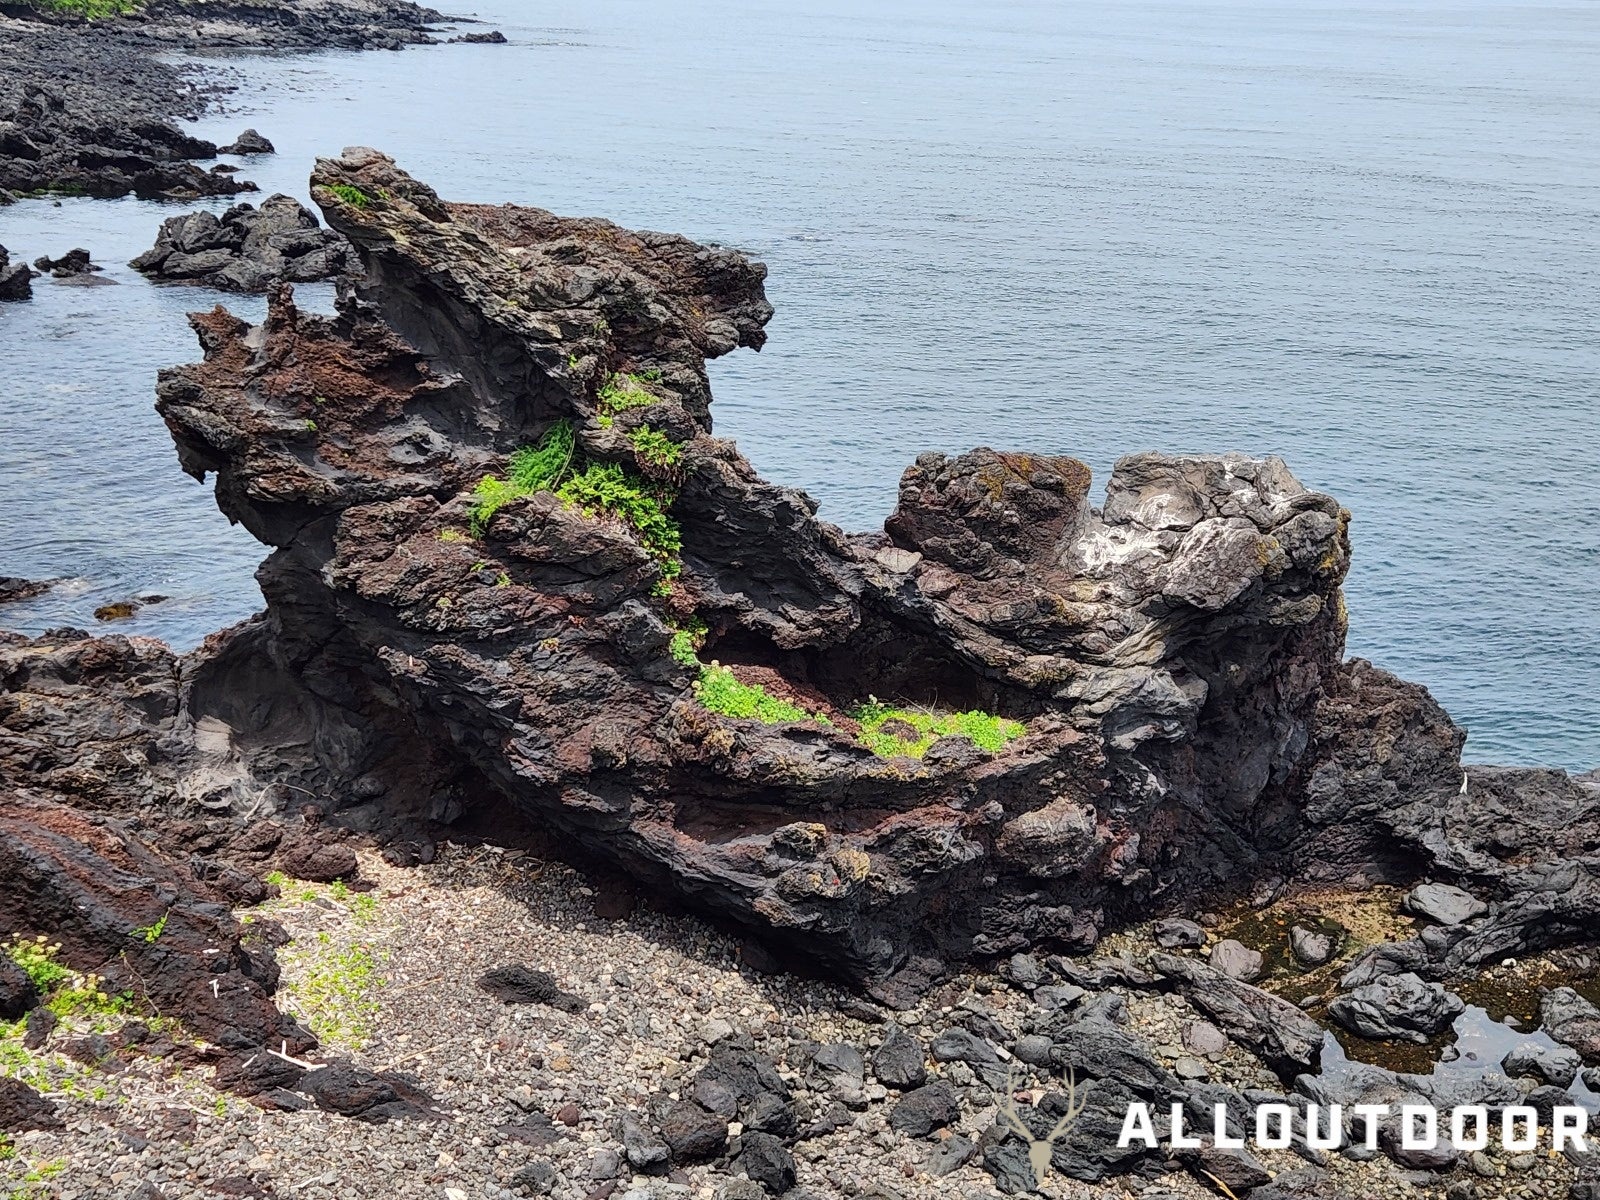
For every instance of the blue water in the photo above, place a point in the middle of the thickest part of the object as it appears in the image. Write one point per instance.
(1363, 236)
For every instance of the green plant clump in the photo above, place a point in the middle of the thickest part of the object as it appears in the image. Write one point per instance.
(38, 960)
(914, 730)
(655, 447)
(605, 488)
(150, 934)
(687, 640)
(720, 692)
(622, 391)
(599, 489)
(353, 196)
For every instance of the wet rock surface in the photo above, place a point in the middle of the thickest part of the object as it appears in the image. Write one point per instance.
(247, 249)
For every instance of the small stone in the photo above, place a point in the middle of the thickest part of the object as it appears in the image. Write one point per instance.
(899, 1062)
(1175, 933)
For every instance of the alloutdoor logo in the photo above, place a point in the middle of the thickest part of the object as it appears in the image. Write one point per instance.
(1516, 1128)
(1040, 1149)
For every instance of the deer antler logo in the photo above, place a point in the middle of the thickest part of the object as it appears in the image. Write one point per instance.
(1040, 1149)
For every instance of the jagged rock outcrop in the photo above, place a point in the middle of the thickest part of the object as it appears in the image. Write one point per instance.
(247, 249)
(16, 279)
(1167, 653)
(1160, 678)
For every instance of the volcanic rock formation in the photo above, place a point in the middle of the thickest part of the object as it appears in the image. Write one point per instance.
(1173, 658)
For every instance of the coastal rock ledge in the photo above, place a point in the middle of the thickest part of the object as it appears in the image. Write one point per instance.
(511, 568)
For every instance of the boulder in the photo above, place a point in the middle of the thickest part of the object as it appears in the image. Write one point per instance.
(1175, 933)
(1400, 1007)
(23, 1108)
(517, 984)
(17, 991)
(899, 1062)
(1558, 1065)
(248, 142)
(16, 282)
(73, 262)
(1443, 903)
(1571, 1020)
(921, 1111)
(1236, 960)
(1311, 947)
(1285, 1038)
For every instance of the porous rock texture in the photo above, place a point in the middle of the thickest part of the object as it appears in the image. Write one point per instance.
(247, 249)
(1175, 655)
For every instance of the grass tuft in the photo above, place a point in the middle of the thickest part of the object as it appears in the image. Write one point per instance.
(719, 691)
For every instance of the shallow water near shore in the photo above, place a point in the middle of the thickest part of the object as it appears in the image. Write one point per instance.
(1360, 236)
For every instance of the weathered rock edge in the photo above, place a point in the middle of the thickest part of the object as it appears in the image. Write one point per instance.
(1176, 655)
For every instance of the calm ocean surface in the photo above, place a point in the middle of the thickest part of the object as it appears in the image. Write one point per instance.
(1365, 237)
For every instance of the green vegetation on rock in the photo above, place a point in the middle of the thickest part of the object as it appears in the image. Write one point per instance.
(351, 195)
(623, 391)
(597, 489)
(90, 10)
(654, 447)
(721, 692)
(908, 732)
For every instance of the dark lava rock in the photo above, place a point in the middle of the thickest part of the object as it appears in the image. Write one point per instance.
(1097, 1049)
(1285, 1038)
(305, 857)
(537, 1178)
(766, 1160)
(1311, 947)
(42, 1023)
(353, 1091)
(1236, 960)
(1571, 1020)
(248, 142)
(21, 1107)
(644, 1148)
(1396, 1007)
(1238, 1169)
(1175, 933)
(899, 1062)
(693, 1134)
(839, 1067)
(951, 1154)
(764, 1099)
(73, 262)
(516, 984)
(1557, 1065)
(17, 991)
(16, 283)
(918, 1113)
(1443, 903)
(493, 38)
(247, 249)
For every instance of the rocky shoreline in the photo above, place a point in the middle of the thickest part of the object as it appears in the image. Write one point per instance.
(524, 608)
(87, 108)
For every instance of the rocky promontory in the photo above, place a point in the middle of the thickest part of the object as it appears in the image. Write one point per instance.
(518, 592)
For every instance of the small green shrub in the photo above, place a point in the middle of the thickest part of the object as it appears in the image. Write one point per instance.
(605, 488)
(353, 196)
(532, 469)
(623, 391)
(986, 731)
(655, 447)
(718, 690)
(150, 934)
(39, 961)
(687, 640)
